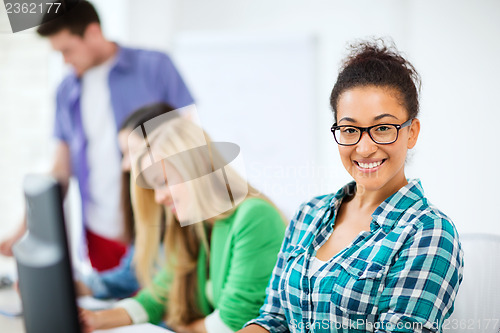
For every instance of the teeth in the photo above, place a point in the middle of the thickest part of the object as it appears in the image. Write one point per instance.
(369, 165)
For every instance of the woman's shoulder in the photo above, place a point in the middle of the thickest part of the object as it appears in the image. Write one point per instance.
(313, 209)
(316, 203)
(431, 217)
(252, 203)
(257, 212)
(423, 219)
(308, 218)
(412, 213)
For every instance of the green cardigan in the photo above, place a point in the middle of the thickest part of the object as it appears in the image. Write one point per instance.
(243, 252)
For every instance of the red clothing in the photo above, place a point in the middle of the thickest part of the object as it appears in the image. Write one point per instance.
(104, 253)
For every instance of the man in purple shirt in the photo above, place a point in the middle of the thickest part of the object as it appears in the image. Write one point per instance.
(108, 83)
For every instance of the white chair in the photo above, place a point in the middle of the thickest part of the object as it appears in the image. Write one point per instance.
(477, 306)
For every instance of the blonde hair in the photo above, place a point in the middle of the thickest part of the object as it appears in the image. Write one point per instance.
(182, 244)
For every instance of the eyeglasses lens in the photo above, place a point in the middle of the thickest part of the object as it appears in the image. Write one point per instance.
(346, 135)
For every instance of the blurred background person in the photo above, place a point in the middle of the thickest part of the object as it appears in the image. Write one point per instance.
(121, 281)
(219, 263)
(107, 83)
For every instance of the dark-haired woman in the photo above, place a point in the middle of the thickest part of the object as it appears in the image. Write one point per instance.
(376, 256)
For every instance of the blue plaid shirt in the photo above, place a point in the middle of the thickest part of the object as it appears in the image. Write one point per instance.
(401, 276)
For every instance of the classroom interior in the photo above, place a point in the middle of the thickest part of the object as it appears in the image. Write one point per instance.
(261, 73)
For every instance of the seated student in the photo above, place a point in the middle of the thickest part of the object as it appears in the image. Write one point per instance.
(219, 261)
(376, 255)
(121, 281)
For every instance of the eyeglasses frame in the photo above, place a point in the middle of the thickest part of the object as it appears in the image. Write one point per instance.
(367, 129)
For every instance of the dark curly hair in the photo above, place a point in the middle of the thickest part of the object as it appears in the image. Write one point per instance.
(378, 63)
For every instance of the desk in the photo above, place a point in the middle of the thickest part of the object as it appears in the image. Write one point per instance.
(15, 325)
(8, 297)
(10, 324)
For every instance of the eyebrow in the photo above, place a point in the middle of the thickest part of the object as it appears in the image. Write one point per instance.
(380, 116)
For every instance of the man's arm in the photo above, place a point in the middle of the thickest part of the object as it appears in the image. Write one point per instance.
(61, 170)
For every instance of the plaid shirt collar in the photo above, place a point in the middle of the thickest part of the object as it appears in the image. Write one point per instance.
(389, 211)
(384, 216)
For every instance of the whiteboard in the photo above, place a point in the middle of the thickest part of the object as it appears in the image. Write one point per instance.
(258, 91)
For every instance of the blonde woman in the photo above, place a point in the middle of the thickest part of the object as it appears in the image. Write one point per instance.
(219, 259)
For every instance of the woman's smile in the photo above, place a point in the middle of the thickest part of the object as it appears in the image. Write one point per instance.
(369, 166)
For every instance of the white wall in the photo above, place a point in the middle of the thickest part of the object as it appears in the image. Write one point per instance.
(454, 46)
(25, 127)
(258, 90)
(330, 23)
(333, 22)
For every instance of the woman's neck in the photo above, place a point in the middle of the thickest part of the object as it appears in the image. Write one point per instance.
(370, 200)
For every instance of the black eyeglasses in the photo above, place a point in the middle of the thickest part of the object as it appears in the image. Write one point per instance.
(382, 134)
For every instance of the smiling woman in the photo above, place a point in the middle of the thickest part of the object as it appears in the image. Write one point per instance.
(376, 160)
(376, 255)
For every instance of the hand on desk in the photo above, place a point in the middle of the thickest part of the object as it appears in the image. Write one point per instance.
(93, 320)
(96, 320)
(88, 320)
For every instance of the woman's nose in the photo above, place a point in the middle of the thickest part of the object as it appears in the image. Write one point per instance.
(366, 146)
(162, 195)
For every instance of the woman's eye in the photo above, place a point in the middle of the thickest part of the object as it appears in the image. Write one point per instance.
(160, 182)
(349, 130)
(382, 128)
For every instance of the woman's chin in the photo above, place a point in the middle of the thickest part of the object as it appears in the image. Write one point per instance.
(369, 184)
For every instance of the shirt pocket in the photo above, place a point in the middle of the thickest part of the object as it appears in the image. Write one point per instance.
(358, 286)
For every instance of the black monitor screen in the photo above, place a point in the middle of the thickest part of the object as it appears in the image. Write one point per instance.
(43, 261)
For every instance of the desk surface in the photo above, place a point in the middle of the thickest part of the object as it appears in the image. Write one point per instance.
(8, 296)
(10, 324)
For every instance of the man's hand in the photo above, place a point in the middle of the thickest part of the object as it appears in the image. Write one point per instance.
(6, 244)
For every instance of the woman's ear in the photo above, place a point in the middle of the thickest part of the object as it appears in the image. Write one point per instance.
(413, 134)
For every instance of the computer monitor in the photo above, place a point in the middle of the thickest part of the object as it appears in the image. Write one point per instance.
(43, 261)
